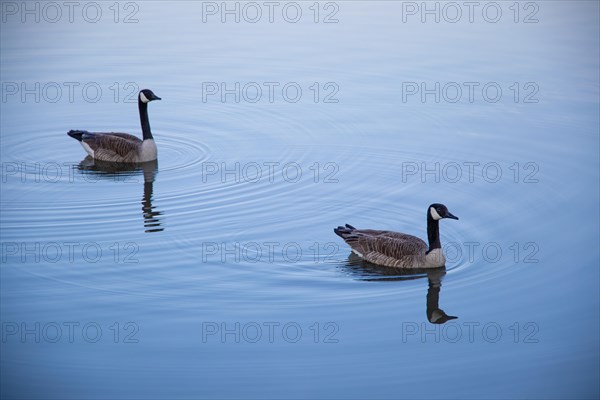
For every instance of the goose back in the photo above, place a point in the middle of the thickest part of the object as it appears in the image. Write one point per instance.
(114, 146)
(388, 248)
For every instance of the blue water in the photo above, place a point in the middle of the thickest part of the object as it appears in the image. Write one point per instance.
(215, 272)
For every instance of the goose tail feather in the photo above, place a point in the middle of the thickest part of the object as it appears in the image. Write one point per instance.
(345, 232)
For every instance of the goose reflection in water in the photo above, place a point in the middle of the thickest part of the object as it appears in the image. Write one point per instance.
(121, 171)
(365, 271)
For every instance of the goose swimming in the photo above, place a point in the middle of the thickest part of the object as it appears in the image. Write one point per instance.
(122, 147)
(395, 249)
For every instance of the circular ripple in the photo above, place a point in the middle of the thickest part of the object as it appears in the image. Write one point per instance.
(182, 208)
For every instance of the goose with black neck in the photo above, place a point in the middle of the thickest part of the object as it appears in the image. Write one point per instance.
(399, 250)
(122, 147)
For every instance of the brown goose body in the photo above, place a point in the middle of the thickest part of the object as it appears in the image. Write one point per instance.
(116, 146)
(399, 250)
(122, 147)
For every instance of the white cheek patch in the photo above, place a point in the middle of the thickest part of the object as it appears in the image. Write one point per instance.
(143, 98)
(434, 214)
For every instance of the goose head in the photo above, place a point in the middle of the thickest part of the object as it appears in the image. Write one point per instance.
(438, 211)
(146, 96)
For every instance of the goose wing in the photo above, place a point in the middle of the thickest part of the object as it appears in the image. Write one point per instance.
(388, 248)
(112, 146)
(388, 243)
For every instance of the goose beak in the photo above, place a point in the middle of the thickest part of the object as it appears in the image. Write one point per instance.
(450, 215)
(156, 98)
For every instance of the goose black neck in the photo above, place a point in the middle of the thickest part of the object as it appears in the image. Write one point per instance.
(433, 297)
(433, 232)
(144, 119)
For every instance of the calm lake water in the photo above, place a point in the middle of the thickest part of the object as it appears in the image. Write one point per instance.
(215, 272)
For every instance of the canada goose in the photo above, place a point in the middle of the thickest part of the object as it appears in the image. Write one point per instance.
(122, 147)
(394, 249)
